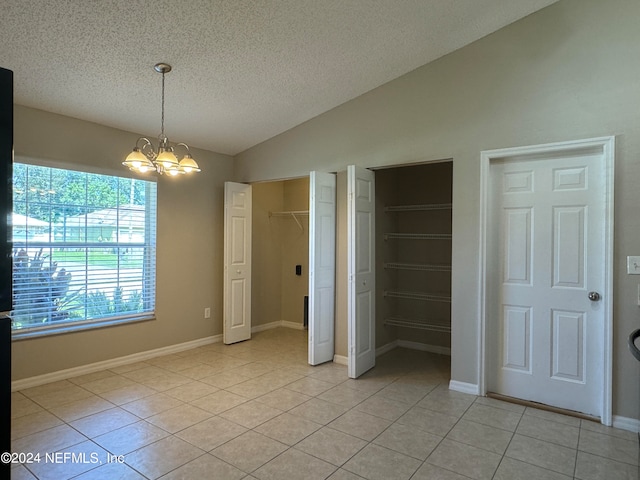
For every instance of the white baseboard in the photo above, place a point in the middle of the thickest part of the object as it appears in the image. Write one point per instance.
(106, 364)
(386, 348)
(294, 325)
(276, 324)
(462, 387)
(625, 423)
(341, 360)
(265, 326)
(424, 347)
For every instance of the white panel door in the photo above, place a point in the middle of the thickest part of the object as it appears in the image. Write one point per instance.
(547, 218)
(322, 266)
(361, 270)
(237, 262)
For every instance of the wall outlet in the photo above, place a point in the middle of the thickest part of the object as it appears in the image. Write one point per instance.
(207, 312)
(633, 265)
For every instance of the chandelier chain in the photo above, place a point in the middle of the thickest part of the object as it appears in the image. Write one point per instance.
(162, 119)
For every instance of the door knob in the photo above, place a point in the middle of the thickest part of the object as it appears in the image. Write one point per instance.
(594, 296)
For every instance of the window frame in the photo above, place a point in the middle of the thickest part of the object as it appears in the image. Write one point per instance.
(149, 257)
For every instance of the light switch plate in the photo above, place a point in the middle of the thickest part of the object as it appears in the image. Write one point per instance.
(633, 265)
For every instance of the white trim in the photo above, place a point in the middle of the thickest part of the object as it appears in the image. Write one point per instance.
(463, 387)
(423, 347)
(294, 325)
(266, 326)
(276, 324)
(625, 423)
(607, 144)
(341, 360)
(608, 152)
(112, 363)
(386, 348)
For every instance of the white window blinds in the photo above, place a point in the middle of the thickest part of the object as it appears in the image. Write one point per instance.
(83, 249)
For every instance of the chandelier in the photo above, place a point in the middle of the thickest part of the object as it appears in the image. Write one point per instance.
(145, 158)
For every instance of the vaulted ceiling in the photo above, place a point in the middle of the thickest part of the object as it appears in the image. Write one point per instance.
(243, 70)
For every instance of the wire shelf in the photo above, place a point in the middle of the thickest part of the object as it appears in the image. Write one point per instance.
(418, 208)
(293, 214)
(428, 297)
(418, 324)
(418, 236)
(417, 266)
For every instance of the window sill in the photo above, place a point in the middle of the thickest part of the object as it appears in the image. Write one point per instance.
(26, 334)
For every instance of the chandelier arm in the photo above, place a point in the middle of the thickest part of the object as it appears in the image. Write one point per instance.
(147, 149)
(185, 146)
(142, 139)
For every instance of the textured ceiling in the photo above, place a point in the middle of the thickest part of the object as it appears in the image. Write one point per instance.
(243, 71)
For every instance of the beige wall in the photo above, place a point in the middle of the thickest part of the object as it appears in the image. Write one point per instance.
(266, 253)
(567, 72)
(189, 245)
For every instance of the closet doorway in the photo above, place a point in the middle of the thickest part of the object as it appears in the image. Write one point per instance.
(289, 238)
(280, 251)
(414, 248)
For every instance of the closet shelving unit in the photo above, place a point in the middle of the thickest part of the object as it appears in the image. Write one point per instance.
(428, 324)
(291, 214)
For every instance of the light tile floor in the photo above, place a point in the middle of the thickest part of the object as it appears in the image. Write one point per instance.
(257, 410)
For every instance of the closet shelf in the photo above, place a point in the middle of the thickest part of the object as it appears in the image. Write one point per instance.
(291, 213)
(418, 236)
(417, 266)
(429, 297)
(418, 208)
(417, 323)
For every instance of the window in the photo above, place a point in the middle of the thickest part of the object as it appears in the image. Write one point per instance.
(83, 250)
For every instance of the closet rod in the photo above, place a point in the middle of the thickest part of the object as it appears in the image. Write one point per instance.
(292, 213)
(404, 322)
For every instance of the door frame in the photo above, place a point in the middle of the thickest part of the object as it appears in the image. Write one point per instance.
(606, 145)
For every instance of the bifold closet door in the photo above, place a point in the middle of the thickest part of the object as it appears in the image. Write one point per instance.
(237, 262)
(361, 270)
(322, 266)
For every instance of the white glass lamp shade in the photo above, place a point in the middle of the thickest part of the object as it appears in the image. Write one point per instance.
(137, 161)
(188, 164)
(174, 170)
(167, 159)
